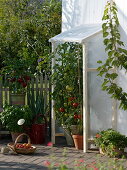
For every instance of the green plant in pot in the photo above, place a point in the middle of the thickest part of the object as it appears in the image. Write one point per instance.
(11, 115)
(67, 80)
(38, 129)
(111, 142)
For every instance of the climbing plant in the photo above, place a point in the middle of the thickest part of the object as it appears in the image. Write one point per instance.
(117, 55)
(67, 80)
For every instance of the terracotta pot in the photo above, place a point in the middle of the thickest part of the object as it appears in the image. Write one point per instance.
(17, 99)
(78, 141)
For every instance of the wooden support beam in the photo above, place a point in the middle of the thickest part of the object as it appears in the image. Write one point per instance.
(52, 103)
(85, 109)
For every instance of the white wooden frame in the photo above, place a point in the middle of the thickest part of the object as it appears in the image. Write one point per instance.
(53, 131)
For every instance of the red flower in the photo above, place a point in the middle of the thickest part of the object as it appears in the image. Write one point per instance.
(27, 78)
(47, 163)
(24, 84)
(77, 164)
(98, 135)
(56, 164)
(81, 160)
(49, 144)
(20, 80)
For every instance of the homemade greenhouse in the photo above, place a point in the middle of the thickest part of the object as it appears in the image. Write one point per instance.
(82, 24)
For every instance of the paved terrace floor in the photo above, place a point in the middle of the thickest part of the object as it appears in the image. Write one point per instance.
(56, 154)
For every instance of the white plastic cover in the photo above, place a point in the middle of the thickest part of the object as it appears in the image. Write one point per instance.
(80, 12)
(99, 102)
(78, 34)
(100, 105)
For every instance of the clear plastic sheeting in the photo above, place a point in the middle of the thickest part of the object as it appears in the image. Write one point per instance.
(99, 105)
(80, 12)
(95, 51)
(121, 114)
(78, 34)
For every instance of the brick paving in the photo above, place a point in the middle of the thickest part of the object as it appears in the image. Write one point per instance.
(57, 154)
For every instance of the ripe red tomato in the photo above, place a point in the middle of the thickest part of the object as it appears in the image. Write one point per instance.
(79, 116)
(17, 145)
(75, 104)
(62, 109)
(21, 146)
(75, 116)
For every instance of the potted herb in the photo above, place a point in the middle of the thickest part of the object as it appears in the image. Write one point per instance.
(10, 116)
(111, 142)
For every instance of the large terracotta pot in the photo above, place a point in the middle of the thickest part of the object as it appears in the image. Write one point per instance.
(78, 141)
(17, 99)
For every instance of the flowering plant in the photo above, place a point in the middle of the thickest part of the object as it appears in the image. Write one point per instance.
(16, 75)
(109, 140)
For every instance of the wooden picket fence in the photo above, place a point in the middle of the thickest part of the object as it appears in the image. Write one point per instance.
(38, 85)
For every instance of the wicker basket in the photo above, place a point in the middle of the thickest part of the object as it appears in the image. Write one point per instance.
(22, 150)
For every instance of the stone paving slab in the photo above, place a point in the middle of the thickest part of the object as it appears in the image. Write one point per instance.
(56, 154)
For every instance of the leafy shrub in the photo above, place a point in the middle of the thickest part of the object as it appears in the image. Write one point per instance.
(11, 114)
(109, 140)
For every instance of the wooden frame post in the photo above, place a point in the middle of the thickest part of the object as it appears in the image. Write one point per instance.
(85, 109)
(52, 103)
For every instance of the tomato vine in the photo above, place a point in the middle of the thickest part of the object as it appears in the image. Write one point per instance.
(117, 55)
(67, 79)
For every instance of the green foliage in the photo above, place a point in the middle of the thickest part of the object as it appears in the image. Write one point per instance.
(25, 29)
(16, 75)
(37, 105)
(109, 140)
(11, 114)
(67, 78)
(117, 55)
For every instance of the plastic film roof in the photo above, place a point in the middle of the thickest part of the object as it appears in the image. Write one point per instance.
(78, 34)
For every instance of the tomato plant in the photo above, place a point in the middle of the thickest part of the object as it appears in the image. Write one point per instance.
(67, 79)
